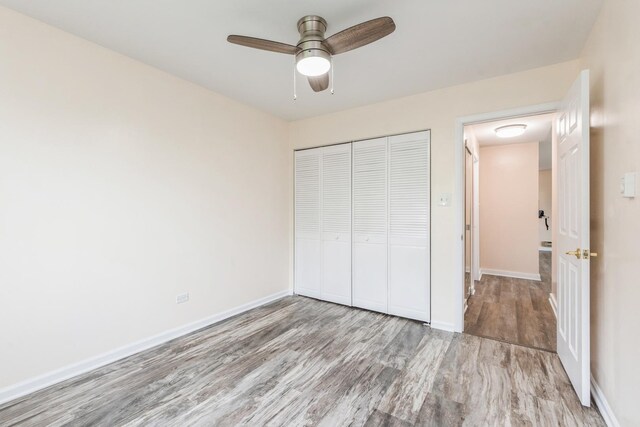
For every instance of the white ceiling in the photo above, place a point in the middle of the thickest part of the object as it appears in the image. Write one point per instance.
(437, 43)
(538, 130)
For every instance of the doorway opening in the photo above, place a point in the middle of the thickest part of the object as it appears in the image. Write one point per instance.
(508, 216)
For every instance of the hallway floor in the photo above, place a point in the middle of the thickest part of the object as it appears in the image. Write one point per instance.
(516, 311)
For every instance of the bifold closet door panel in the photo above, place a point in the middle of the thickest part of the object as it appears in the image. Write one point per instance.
(409, 226)
(308, 241)
(370, 224)
(362, 224)
(336, 224)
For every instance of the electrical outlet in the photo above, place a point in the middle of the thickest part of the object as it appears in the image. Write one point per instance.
(182, 298)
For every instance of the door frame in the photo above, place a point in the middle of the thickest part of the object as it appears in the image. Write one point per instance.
(472, 224)
(459, 190)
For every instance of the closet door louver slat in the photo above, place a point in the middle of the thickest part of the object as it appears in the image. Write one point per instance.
(308, 209)
(370, 224)
(336, 224)
(409, 226)
(336, 184)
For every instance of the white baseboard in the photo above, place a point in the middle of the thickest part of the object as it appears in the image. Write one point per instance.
(514, 274)
(602, 404)
(554, 304)
(31, 385)
(443, 326)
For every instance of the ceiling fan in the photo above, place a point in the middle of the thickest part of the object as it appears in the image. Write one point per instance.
(313, 52)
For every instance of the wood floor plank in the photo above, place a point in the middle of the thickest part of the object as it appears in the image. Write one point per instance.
(472, 314)
(304, 362)
(437, 411)
(356, 406)
(381, 419)
(406, 394)
(404, 345)
(514, 310)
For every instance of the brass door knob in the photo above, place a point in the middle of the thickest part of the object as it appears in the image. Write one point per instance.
(577, 253)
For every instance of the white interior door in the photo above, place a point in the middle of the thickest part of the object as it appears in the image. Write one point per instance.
(370, 224)
(308, 205)
(409, 226)
(573, 255)
(336, 224)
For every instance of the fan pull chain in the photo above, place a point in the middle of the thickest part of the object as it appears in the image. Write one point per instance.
(332, 67)
(295, 96)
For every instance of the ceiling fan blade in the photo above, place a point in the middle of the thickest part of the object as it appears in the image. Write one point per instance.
(269, 45)
(360, 35)
(319, 83)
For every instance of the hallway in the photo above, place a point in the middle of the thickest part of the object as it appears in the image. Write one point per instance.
(512, 310)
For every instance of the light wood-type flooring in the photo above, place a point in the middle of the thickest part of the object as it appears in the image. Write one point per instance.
(299, 362)
(516, 311)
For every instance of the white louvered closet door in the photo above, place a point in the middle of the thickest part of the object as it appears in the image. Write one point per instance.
(409, 226)
(308, 205)
(336, 224)
(370, 224)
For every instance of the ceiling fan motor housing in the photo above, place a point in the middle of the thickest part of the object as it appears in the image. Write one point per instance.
(312, 29)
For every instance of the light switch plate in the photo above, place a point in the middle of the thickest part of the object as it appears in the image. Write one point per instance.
(628, 185)
(445, 200)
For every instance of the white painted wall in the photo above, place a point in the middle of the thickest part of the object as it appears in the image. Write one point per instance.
(438, 110)
(613, 56)
(545, 152)
(120, 187)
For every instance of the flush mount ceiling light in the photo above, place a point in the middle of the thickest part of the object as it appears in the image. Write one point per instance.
(510, 131)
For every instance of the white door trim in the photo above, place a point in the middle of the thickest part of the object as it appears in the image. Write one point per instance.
(458, 193)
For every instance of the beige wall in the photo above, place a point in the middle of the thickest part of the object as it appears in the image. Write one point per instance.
(438, 110)
(613, 56)
(544, 203)
(120, 188)
(508, 208)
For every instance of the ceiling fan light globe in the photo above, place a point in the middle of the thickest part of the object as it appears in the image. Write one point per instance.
(313, 66)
